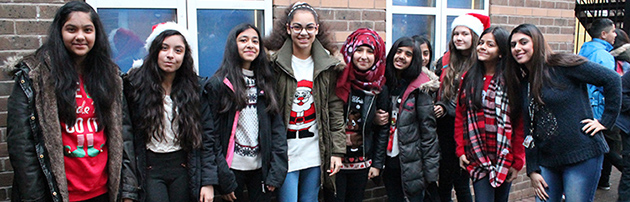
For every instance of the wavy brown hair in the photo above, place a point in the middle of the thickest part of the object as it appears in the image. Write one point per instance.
(279, 33)
(458, 64)
(146, 97)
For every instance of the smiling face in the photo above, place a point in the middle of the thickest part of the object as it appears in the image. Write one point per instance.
(462, 38)
(78, 34)
(487, 50)
(522, 48)
(426, 54)
(402, 58)
(363, 58)
(171, 54)
(303, 28)
(248, 46)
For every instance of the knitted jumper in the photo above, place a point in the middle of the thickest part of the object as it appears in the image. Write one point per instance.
(559, 139)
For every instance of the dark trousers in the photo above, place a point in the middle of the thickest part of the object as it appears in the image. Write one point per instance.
(392, 179)
(624, 182)
(350, 186)
(452, 176)
(167, 177)
(485, 192)
(101, 198)
(613, 157)
(253, 181)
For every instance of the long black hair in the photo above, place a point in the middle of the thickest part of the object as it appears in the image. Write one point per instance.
(393, 75)
(539, 73)
(147, 97)
(231, 68)
(423, 40)
(99, 72)
(472, 84)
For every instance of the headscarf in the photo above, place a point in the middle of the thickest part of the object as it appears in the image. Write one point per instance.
(373, 79)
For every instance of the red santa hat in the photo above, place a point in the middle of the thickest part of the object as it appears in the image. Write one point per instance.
(159, 28)
(474, 21)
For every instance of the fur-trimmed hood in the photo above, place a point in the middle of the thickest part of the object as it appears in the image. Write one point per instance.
(10, 65)
(622, 53)
(433, 84)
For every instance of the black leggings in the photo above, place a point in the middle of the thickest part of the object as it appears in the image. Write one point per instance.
(167, 177)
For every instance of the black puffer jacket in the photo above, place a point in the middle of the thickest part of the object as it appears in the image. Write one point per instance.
(271, 136)
(202, 168)
(374, 137)
(417, 139)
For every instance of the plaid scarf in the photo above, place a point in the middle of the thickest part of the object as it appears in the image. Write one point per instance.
(488, 135)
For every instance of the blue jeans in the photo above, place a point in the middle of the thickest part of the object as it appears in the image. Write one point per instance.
(485, 192)
(301, 185)
(577, 181)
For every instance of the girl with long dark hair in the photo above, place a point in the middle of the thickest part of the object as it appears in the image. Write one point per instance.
(412, 149)
(306, 74)
(252, 141)
(64, 120)
(361, 86)
(565, 146)
(171, 127)
(489, 140)
(462, 56)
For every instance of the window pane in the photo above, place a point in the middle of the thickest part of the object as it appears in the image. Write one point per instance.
(409, 25)
(213, 27)
(465, 4)
(449, 33)
(424, 3)
(128, 29)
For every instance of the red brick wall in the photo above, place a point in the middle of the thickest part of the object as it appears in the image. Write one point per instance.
(23, 25)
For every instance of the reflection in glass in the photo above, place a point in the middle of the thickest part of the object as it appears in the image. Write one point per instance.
(213, 27)
(423, 3)
(449, 33)
(465, 4)
(409, 25)
(128, 29)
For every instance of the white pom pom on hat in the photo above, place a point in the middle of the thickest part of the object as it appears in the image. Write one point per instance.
(474, 21)
(159, 28)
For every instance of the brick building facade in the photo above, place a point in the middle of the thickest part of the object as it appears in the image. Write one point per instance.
(23, 25)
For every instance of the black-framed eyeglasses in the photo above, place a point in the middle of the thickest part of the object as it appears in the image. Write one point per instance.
(310, 28)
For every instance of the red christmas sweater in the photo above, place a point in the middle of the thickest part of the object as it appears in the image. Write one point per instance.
(85, 151)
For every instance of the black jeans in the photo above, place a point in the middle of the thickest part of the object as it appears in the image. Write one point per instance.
(167, 177)
(102, 198)
(393, 182)
(350, 186)
(252, 179)
(624, 182)
(613, 157)
(452, 176)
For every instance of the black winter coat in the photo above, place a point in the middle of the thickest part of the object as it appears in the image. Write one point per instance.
(202, 168)
(375, 137)
(417, 139)
(271, 137)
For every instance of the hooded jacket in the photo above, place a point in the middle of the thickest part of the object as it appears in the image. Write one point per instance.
(597, 51)
(417, 138)
(329, 108)
(34, 136)
(271, 137)
(622, 54)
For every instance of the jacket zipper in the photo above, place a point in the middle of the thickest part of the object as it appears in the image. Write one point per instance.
(364, 124)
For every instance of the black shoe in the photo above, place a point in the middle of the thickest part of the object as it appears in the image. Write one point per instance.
(604, 187)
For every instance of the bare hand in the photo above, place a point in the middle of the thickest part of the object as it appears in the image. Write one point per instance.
(335, 165)
(206, 194)
(438, 110)
(229, 197)
(374, 172)
(539, 185)
(127, 200)
(463, 162)
(381, 117)
(271, 188)
(592, 126)
(512, 175)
